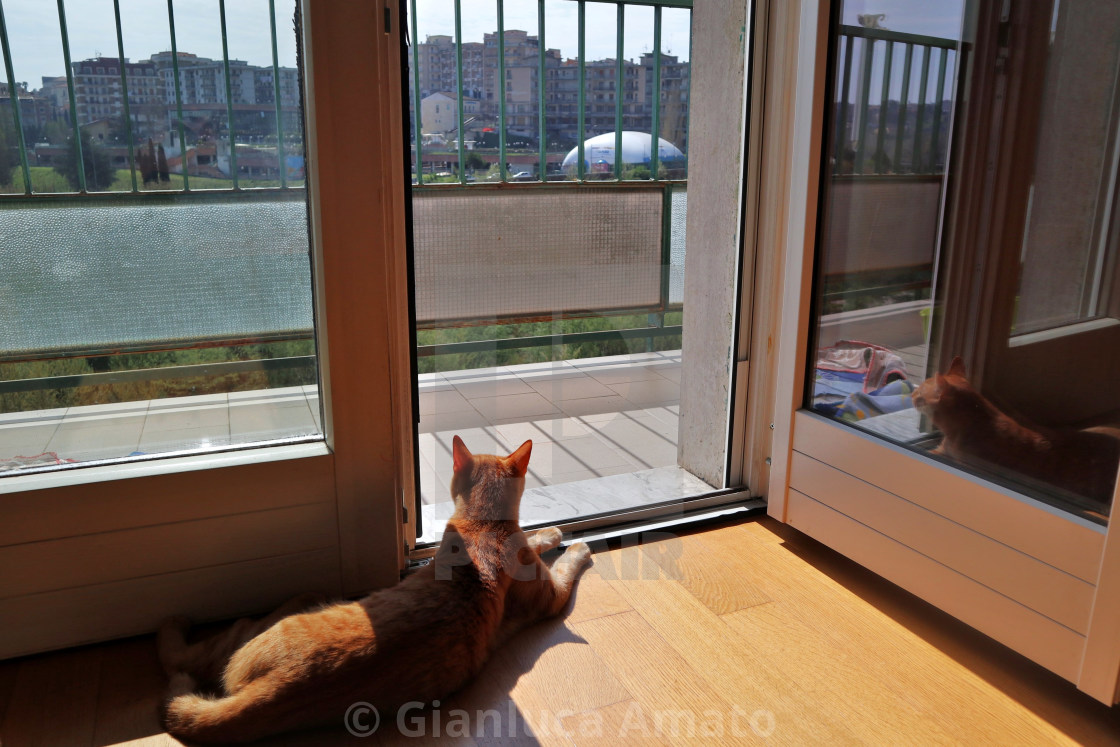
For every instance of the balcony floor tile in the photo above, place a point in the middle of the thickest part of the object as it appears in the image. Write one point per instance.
(646, 393)
(542, 431)
(444, 401)
(581, 427)
(573, 387)
(502, 387)
(514, 407)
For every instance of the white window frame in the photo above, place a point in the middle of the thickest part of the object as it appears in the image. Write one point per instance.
(103, 552)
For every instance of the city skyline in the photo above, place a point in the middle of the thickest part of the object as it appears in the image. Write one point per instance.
(37, 49)
(36, 44)
(562, 25)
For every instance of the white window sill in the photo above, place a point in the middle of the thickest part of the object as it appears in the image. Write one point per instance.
(146, 467)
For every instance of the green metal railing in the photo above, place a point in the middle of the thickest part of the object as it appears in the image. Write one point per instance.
(542, 71)
(903, 147)
(854, 137)
(128, 120)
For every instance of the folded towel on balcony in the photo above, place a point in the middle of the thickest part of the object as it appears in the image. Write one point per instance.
(894, 397)
(854, 380)
(8, 464)
(875, 365)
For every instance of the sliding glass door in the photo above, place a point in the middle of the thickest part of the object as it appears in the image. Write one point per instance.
(960, 428)
(552, 235)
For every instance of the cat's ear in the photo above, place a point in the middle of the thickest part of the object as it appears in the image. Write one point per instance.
(463, 458)
(519, 459)
(956, 368)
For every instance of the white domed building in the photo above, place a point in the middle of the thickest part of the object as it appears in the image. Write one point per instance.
(598, 152)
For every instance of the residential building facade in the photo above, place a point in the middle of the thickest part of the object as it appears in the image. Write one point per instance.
(437, 65)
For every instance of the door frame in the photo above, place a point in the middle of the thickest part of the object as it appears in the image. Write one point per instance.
(955, 540)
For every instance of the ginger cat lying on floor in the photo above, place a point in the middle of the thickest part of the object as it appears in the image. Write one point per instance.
(976, 432)
(418, 641)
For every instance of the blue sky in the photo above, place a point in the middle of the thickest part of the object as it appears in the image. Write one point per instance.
(37, 46)
(561, 25)
(930, 17)
(33, 30)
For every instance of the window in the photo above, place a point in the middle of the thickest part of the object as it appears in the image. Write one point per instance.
(223, 354)
(1006, 309)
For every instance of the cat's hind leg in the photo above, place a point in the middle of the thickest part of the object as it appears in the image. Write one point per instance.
(171, 644)
(206, 660)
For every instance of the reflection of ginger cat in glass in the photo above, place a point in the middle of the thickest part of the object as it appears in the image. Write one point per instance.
(975, 432)
(420, 640)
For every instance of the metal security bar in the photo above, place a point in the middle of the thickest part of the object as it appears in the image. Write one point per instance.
(871, 139)
(128, 114)
(229, 101)
(124, 94)
(13, 96)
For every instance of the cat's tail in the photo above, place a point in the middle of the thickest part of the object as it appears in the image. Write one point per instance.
(250, 714)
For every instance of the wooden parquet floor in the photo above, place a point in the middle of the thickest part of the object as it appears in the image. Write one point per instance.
(730, 634)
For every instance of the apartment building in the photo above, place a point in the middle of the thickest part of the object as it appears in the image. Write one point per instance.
(99, 86)
(98, 91)
(436, 61)
(34, 109)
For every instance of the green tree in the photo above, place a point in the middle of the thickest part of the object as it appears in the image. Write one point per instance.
(9, 152)
(118, 129)
(164, 174)
(55, 133)
(149, 168)
(475, 161)
(96, 163)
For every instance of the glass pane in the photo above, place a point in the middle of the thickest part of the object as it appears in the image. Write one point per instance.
(145, 32)
(561, 84)
(437, 79)
(944, 317)
(35, 45)
(636, 110)
(143, 325)
(1068, 226)
(673, 113)
(553, 312)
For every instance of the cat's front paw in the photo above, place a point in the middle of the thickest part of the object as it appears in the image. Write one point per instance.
(578, 554)
(546, 539)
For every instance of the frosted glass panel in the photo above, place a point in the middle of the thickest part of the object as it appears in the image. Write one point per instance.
(535, 253)
(97, 277)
